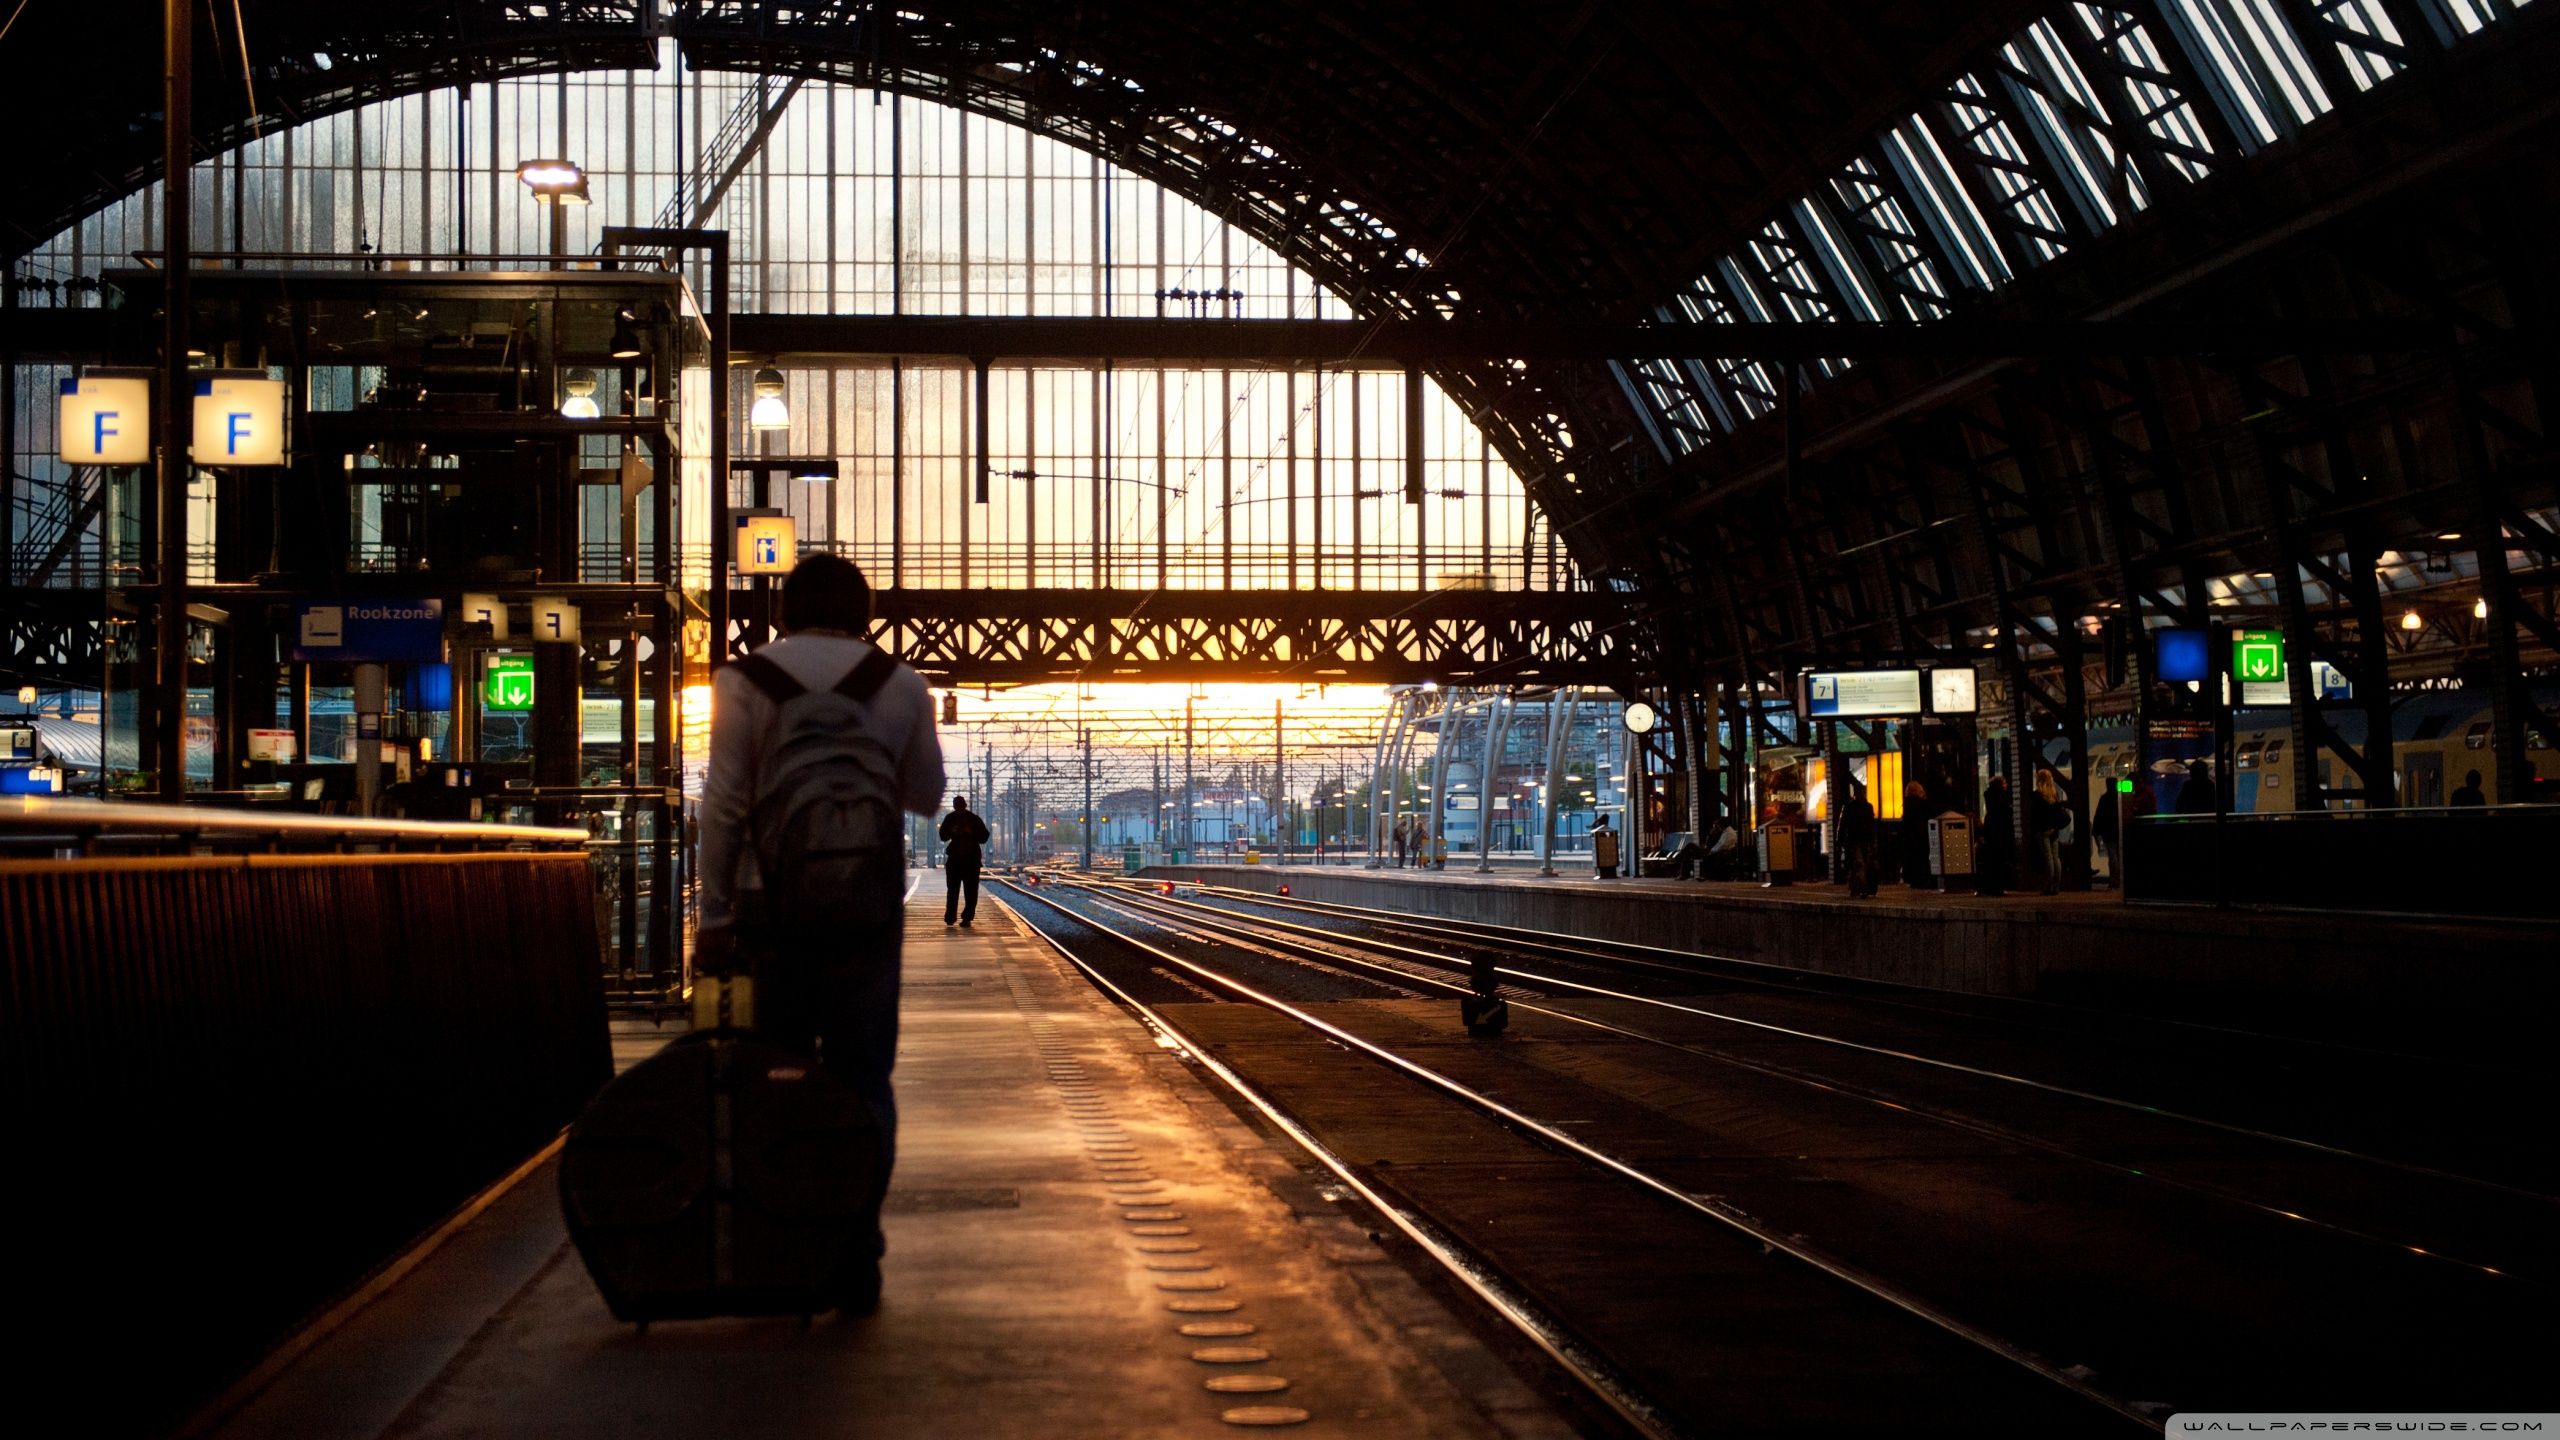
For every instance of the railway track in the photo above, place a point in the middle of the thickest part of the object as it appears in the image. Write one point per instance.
(1850, 1171)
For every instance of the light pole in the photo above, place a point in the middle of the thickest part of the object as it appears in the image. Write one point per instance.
(808, 470)
(557, 184)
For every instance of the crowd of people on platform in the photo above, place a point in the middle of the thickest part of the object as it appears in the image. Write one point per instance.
(1871, 853)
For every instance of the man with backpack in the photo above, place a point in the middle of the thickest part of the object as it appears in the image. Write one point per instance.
(964, 840)
(818, 742)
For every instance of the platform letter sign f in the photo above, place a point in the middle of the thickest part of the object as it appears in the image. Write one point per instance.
(92, 427)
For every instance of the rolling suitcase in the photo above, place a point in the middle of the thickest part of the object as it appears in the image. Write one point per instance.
(725, 1175)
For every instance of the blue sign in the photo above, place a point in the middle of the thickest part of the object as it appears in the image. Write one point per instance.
(30, 780)
(2182, 654)
(369, 630)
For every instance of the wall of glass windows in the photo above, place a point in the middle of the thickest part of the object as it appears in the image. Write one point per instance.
(1124, 476)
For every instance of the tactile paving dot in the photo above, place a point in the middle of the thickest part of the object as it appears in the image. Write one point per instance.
(1217, 1329)
(1178, 1265)
(1130, 1185)
(1230, 1354)
(1191, 1282)
(1203, 1307)
(1153, 1196)
(1264, 1415)
(1167, 1247)
(1245, 1384)
(1158, 1229)
(1150, 1214)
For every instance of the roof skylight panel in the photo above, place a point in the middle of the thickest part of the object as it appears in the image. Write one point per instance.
(1930, 180)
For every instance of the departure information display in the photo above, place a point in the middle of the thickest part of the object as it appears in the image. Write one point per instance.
(1849, 694)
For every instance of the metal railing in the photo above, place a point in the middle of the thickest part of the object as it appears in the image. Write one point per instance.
(254, 1077)
(63, 829)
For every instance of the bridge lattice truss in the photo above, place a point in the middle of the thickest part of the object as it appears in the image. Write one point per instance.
(1000, 637)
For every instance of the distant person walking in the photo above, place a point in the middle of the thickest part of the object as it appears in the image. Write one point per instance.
(1604, 849)
(964, 840)
(2470, 794)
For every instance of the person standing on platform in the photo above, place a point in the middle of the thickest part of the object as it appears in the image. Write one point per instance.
(2470, 793)
(2102, 826)
(2198, 796)
(1858, 841)
(1403, 838)
(1604, 849)
(819, 711)
(1916, 811)
(1998, 852)
(2047, 818)
(964, 849)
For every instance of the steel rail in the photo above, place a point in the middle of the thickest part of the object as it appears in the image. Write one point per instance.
(1637, 953)
(1855, 1276)
(1922, 1109)
(1956, 1067)
(1521, 1312)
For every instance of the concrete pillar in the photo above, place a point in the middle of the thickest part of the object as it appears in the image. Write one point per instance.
(1560, 712)
(1497, 721)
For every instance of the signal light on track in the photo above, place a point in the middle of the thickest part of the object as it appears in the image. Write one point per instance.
(1164, 887)
(1284, 889)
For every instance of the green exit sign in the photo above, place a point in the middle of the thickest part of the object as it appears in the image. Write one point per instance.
(508, 682)
(2257, 655)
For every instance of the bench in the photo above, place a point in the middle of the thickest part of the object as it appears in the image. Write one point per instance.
(1678, 849)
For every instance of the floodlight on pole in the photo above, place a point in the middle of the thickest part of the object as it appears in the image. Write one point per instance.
(554, 182)
(558, 184)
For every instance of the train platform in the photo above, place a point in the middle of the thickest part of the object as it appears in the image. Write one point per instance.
(1083, 1239)
(2264, 967)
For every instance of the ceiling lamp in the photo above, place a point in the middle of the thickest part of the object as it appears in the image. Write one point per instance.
(580, 385)
(2410, 620)
(813, 472)
(626, 339)
(769, 413)
(2480, 608)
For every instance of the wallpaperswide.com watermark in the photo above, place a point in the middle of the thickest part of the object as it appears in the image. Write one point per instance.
(2365, 1422)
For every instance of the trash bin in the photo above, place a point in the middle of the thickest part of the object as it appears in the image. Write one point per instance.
(1951, 852)
(1252, 856)
(1132, 860)
(1777, 854)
